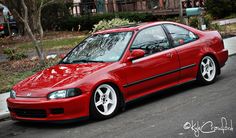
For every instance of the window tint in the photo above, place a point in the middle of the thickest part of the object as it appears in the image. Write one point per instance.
(152, 40)
(180, 35)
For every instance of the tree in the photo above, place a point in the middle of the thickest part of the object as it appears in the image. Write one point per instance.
(55, 16)
(29, 13)
(181, 12)
(220, 8)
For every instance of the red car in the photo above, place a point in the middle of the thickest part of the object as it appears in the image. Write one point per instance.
(112, 67)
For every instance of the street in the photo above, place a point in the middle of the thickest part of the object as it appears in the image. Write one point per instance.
(188, 110)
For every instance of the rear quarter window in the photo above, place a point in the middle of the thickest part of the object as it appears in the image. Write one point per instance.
(180, 35)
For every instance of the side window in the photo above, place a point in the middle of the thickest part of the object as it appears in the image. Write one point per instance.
(152, 40)
(180, 35)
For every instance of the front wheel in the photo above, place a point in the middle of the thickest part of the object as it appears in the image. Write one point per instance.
(207, 70)
(105, 102)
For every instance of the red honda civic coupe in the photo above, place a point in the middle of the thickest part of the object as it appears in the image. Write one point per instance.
(112, 67)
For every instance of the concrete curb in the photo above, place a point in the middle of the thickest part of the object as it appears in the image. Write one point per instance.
(4, 115)
(233, 54)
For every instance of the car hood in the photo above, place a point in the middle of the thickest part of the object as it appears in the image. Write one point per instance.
(55, 78)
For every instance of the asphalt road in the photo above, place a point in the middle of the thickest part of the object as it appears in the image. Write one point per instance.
(166, 114)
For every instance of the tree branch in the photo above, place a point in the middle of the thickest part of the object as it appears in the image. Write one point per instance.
(25, 10)
(39, 25)
(26, 21)
(18, 15)
(47, 3)
(41, 5)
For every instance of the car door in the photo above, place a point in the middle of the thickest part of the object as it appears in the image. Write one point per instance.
(158, 69)
(188, 48)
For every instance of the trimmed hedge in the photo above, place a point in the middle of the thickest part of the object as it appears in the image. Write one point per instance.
(87, 22)
(57, 16)
(53, 15)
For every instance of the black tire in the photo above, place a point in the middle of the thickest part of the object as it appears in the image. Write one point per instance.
(210, 69)
(98, 112)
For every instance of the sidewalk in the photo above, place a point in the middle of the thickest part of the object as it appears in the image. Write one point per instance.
(230, 44)
(225, 21)
(4, 113)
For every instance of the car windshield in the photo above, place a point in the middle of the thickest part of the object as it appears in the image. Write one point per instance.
(99, 48)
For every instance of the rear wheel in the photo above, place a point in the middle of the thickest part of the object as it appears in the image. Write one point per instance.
(207, 70)
(105, 102)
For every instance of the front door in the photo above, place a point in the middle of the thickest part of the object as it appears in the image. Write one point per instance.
(158, 69)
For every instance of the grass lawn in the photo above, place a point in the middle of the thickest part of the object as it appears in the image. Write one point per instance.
(228, 30)
(232, 27)
(8, 79)
(53, 43)
(14, 71)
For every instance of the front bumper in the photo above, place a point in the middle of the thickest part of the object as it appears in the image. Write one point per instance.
(42, 109)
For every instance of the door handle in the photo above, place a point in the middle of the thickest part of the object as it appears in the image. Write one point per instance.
(169, 55)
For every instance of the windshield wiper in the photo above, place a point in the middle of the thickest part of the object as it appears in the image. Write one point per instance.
(63, 62)
(86, 61)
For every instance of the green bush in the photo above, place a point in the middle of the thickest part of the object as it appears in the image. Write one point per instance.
(207, 20)
(12, 54)
(57, 17)
(53, 15)
(87, 22)
(216, 26)
(193, 21)
(220, 8)
(104, 24)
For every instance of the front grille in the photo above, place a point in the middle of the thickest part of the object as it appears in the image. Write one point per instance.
(30, 113)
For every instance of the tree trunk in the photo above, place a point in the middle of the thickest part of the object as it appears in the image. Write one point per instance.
(114, 6)
(181, 12)
(40, 30)
(31, 32)
(30, 15)
(37, 43)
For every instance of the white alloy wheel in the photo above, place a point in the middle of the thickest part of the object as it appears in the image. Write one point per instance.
(208, 68)
(105, 99)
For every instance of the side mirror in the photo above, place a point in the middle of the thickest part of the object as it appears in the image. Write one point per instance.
(136, 53)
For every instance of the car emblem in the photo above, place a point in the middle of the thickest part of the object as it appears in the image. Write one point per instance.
(29, 94)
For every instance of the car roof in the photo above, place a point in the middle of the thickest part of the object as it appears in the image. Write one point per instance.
(131, 27)
(140, 26)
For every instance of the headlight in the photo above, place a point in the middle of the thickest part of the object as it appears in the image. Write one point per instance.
(64, 93)
(12, 94)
